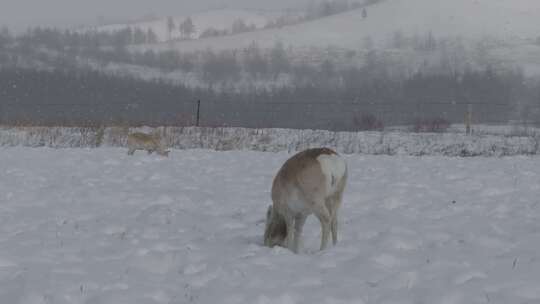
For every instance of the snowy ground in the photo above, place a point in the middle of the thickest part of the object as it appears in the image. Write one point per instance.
(97, 226)
(276, 140)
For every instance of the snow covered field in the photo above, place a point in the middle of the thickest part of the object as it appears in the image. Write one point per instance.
(96, 226)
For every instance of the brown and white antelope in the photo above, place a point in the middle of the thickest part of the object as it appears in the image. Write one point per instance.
(142, 141)
(310, 182)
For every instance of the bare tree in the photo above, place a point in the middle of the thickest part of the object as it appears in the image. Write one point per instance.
(279, 60)
(151, 37)
(170, 26)
(254, 61)
(187, 28)
(239, 26)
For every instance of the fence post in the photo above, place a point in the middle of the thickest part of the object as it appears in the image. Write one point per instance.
(198, 113)
(468, 119)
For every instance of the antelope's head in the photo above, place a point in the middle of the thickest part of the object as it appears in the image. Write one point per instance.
(275, 231)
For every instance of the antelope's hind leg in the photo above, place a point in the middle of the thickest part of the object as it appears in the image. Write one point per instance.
(334, 227)
(289, 221)
(323, 215)
(299, 222)
(332, 204)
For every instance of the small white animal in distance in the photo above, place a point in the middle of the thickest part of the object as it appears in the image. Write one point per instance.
(142, 141)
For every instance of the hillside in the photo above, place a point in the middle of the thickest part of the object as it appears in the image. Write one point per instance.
(393, 39)
(221, 19)
(507, 20)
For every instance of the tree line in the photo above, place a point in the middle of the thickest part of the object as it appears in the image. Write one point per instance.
(85, 97)
(36, 66)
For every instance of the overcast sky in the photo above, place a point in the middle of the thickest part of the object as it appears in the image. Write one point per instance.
(19, 14)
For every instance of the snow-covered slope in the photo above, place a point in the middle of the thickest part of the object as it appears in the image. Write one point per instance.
(96, 226)
(507, 20)
(221, 19)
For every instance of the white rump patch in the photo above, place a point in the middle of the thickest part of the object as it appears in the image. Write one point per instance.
(334, 169)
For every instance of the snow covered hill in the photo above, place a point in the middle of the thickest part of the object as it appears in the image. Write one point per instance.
(503, 20)
(95, 226)
(218, 19)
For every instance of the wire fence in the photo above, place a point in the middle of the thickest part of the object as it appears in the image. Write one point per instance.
(336, 116)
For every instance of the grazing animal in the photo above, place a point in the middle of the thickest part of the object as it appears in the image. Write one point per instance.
(310, 182)
(142, 141)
